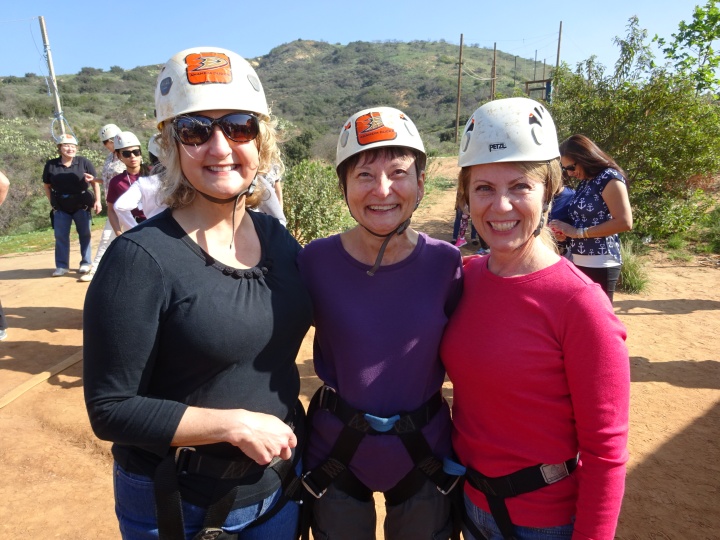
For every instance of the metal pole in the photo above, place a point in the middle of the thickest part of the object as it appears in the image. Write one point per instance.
(535, 67)
(457, 110)
(53, 83)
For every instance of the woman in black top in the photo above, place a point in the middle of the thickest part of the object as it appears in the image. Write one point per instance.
(194, 319)
(69, 186)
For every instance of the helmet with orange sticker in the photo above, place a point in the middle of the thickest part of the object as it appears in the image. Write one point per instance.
(507, 130)
(207, 78)
(375, 128)
(66, 138)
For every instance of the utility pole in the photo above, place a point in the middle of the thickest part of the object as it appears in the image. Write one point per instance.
(53, 83)
(535, 67)
(457, 109)
(557, 62)
(493, 72)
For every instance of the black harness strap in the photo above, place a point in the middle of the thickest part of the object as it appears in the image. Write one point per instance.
(525, 480)
(186, 460)
(335, 468)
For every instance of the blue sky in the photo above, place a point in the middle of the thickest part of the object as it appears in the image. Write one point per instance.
(130, 33)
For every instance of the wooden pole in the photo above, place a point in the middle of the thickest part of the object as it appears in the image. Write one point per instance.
(493, 73)
(53, 83)
(457, 109)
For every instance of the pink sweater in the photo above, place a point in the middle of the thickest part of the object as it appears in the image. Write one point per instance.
(540, 372)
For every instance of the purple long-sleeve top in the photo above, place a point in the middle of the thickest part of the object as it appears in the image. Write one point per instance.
(376, 343)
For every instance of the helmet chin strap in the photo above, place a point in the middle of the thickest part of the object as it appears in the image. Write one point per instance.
(540, 226)
(247, 191)
(398, 230)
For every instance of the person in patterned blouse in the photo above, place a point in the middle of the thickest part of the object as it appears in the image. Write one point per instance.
(599, 211)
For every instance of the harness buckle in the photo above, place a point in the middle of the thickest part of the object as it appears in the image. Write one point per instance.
(311, 489)
(452, 486)
(554, 473)
(182, 458)
(325, 393)
(208, 533)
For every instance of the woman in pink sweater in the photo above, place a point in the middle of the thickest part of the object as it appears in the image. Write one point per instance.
(536, 355)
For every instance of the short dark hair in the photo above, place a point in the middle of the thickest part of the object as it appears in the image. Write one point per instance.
(369, 156)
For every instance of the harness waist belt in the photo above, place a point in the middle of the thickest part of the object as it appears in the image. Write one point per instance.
(189, 461)
(402, 423)
(522, 481)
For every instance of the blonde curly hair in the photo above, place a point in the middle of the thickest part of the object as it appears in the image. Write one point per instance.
(175, 189)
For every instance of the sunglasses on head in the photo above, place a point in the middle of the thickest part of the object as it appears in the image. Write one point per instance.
(127, 153)
(569, 168)
(197, 129)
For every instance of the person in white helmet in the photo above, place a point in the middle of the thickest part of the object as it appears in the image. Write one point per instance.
(69, 182)
(382, 294)
(144, 193)
(193, 322)
(537, 358)
(111, 168)
(129, 151)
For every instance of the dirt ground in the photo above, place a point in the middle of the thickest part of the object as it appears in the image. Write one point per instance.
(56, 477)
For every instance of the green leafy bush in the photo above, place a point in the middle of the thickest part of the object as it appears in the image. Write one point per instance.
(313, 204)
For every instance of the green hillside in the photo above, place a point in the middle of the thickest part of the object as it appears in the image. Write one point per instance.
(311, 86)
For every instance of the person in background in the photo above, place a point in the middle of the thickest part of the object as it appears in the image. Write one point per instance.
(559, 210)
(128, 149)
(143, 194)
(537, 358)
(193, 322)
(70, 187)
(599, 210)
(382, 294)
(112, 167)
(4, 187)
(272, 203)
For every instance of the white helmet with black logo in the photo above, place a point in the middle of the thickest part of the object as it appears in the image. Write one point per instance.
(506, 130)
(207, 78)
(375, 128)
(108, 131)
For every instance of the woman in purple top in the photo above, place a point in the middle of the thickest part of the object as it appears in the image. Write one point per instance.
(382, 295)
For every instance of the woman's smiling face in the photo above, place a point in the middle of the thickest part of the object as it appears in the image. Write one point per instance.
(506, 205)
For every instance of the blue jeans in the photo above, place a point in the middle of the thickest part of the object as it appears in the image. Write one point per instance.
(135, 510)
(62, 223)
(485, 522)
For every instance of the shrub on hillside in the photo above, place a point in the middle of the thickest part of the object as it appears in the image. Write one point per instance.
(313, 204)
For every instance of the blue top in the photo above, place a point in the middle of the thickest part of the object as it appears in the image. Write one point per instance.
(588, 208)
(376, 343)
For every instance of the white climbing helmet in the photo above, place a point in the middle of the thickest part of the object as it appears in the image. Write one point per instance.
(154, 146)
(204, 79)
(374, 128)
(512, 129)
(108, 131)
(126, 139)
(66, 138)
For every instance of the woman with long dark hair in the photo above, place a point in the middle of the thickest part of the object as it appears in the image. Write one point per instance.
(599, 211)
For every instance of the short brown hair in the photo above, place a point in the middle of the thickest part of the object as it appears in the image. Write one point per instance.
(369, 156)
